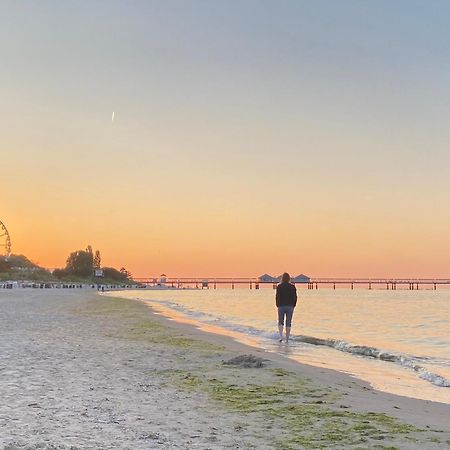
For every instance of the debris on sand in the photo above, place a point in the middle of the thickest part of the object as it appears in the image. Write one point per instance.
(246, 361)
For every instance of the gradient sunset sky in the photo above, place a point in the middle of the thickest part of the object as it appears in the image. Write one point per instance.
(249, 136)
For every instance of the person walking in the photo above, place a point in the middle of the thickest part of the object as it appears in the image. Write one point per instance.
(286, 301)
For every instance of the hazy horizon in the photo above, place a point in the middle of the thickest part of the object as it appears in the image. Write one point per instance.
(229, 138)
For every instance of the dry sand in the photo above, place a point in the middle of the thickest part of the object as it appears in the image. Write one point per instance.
(82, 371)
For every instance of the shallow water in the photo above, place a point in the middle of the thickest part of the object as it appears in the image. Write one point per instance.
(398, 341)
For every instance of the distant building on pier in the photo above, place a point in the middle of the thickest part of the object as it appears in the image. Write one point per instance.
(266, 278)
(301, 279)
(298, 279)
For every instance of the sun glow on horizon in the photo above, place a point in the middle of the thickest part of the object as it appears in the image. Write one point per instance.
(250, 140)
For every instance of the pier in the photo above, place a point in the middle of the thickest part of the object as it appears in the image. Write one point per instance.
(313, 283)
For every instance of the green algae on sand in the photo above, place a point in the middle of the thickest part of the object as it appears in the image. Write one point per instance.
(304, 412)
(136, 324)
(288, 407)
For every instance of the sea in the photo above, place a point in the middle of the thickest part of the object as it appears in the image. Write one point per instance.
(396, 340)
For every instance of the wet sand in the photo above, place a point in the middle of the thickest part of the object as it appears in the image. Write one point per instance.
(84, 371)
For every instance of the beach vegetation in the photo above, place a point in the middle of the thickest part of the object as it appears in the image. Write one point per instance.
(279, 372)
(306, 413)
(17, 261)
(19, 267)
(144, 328)
(302, 422)
(97, 262)
(151, 331)
(119, 276)
(121, 307)
(82, 264)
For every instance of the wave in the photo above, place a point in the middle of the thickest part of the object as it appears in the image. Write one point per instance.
(407, 361)
(372, 352)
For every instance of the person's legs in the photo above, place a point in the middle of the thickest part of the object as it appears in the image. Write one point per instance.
(280, 322)
(289, 313)
(280, 332)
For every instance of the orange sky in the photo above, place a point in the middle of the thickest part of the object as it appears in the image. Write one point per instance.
(244, 140)
(212, 242)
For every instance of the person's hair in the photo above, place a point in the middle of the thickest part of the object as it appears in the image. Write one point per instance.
(285, 278)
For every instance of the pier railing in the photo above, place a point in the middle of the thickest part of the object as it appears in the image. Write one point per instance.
(311, 283)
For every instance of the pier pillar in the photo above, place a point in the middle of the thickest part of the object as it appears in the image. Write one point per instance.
(434, 287)
(256, 286)
(196, 285)
(370, 285)
(232, 285)
(334, 286)
(317, 285)
(215, 286)
(352, 285)
(251, 286)
(387, 286)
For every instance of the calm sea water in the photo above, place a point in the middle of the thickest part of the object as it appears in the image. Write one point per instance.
(398, 341)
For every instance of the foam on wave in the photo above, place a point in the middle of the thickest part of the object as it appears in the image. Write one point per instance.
(408, 361)
(372, 352)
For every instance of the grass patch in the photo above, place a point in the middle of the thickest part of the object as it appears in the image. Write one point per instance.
(156, 333)
(111, 306)
(137, 326)
(289, 406)
(279, 372)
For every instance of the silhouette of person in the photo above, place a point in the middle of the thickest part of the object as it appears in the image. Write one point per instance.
(286, 301)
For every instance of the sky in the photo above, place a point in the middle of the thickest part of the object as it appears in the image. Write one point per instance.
(248, 136)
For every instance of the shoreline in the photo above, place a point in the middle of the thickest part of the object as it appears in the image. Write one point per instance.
(411, 407)
(388, 368)
(79, 370)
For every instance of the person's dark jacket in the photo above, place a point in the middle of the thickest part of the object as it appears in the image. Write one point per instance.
(286, 295)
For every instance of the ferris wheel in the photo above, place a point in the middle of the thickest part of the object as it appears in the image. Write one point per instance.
(5, 241)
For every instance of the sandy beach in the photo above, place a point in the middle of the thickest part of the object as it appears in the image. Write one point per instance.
(83, 371)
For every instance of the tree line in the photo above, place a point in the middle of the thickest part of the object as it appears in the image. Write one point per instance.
(84, 263)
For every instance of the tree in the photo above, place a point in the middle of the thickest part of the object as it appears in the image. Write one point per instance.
(60, 273)
(114, 274)
(4, 265)
(125, 273)
(16, 262)
(97, 260)
(80, 263)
